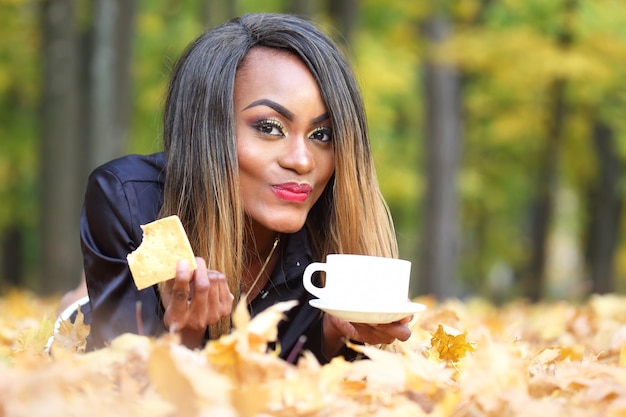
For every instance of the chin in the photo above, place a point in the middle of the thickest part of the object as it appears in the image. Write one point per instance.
(282, 220)
(288, 226)
(289, 229)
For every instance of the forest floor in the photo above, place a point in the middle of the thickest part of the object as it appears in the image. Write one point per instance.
(463, 359)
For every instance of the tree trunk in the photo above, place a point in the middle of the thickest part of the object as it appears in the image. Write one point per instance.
(438, 266)
(59, 202)
(605, 209)
(344, 14)
(303, 8)
(85, 119)
(216, 12)
(109, 80)
(542, 208)
(543, 205)
(12, 257)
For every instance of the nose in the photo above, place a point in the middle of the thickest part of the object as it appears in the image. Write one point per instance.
(298, 155)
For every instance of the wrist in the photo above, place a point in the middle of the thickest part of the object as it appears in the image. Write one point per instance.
(333, 339)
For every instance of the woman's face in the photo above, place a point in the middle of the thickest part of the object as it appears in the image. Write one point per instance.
(284, 139)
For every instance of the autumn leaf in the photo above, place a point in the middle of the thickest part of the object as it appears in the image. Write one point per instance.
(250, 335)
(170, 383)
(35, 340)
(72, 336)
(254, 334)
(450, 344)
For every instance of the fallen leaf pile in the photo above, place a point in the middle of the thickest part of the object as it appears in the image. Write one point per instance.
(463, 359)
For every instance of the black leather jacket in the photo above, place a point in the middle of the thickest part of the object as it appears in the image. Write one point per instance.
(127, 192)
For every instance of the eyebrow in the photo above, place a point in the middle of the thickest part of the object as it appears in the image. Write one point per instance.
(283, 110)
(321, 118)
(274, 106)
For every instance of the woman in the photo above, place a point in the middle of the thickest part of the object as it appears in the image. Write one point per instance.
(267, 163)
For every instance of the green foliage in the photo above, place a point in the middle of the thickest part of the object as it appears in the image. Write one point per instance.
(508, 54)
(510, 61)
(19, 93)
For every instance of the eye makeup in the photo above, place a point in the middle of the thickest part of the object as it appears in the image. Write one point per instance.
(270, 126)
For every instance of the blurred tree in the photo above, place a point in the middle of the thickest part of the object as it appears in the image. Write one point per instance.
(542, 208)
(527, 91)
(108, 89)
(603, 40)
(59, 156)
(20, 71)
(605, 202)
(344, 14)
(12, 255)
(305, 8)
(215, 12)
(439, 249)
(85, 119)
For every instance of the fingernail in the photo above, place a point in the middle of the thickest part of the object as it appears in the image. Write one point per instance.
(215, 274)
(183, 265)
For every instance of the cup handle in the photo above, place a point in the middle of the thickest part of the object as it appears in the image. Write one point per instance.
(306, 279)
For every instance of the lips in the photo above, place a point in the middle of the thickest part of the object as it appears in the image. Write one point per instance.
(292, 191)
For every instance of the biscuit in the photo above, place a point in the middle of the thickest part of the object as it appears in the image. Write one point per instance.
(163, 245)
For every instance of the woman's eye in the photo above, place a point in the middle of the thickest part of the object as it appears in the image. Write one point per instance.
(323, 134)
(270, 127)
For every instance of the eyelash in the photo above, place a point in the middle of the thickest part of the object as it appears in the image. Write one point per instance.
(325, 131)
(266, 126)
(272, 124)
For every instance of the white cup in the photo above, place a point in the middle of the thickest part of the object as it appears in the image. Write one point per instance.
(361, 282)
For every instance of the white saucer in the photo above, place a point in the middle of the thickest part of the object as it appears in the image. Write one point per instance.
(368, 315)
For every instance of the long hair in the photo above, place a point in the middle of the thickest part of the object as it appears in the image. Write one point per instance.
(202, 184)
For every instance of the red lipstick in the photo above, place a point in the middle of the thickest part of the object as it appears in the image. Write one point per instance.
(291, 191)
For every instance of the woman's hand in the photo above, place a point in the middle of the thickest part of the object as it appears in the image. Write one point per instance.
(194, 300)
(336, 331)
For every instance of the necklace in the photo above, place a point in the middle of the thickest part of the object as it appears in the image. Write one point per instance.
(267, 260)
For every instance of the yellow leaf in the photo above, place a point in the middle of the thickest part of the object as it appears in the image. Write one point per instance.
(242, 354)
(241, 315)
(253, 335)
(221, 352)
(72, 336)
(263, 328)
(622, 356)
(170, 383)
(36, 340)
(252, 399)
(451, 345)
